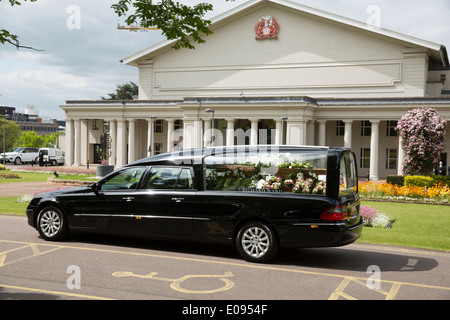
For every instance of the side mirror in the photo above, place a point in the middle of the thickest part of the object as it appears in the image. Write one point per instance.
(94, 188)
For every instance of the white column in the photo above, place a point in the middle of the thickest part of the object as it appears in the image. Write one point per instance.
(295, 132)
(150, 134)
(311, 133)
(198, 133)
(278, 132)
(254, 132)
(322, 132)
(401, 156)
(348, 133)
(374, 149)
(207, 133)
(170, 130)
(131, 140)
(230, 132)
(77, 160)
(84, 141)
(69, 142)
(121, 143)
(113, 133)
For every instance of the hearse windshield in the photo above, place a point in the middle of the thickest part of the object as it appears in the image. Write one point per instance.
(347, 174)
(297, 171)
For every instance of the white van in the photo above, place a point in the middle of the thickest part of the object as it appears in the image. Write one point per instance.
(52, 156)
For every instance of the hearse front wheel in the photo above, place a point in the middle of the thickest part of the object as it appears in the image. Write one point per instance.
(52, 224)
(256, 242)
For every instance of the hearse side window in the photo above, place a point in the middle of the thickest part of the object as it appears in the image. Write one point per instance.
(169, 178)
(127, 178)
(347, 174)
(294, 172)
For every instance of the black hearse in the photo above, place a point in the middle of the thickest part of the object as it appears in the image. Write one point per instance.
(256, 198)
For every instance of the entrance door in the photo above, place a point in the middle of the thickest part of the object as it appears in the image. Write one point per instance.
(97, 158)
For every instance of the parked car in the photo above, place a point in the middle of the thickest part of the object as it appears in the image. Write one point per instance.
(52, 156)
(21, 155)
(255, 198)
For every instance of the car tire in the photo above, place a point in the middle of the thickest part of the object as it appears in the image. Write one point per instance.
(256, 242)
(17, 161)
(52, 224)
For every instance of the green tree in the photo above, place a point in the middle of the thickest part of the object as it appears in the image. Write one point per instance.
(124, 92)
(12, 134)
(31, 139)
(51, 141)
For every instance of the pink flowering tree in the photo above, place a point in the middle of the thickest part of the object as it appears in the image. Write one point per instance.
(423, 133)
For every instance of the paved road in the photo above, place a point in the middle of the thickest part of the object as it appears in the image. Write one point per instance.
(105, 267)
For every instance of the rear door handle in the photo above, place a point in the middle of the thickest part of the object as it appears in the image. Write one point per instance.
(128, 198)
(178, 200)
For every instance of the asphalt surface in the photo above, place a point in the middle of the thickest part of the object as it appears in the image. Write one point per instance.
(95, 267)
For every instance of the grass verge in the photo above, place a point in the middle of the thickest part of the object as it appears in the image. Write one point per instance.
(10, 206)
(416, 225)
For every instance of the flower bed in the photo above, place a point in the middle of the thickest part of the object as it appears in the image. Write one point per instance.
(373, 218)
(438, 193)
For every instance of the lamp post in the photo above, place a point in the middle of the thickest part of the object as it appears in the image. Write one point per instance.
(283, 136)
(4, 139)
(150, 138)
(212, 126)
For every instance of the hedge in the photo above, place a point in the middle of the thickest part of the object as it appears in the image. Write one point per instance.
(419, 181)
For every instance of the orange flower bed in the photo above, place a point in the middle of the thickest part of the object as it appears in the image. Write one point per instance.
(385, 190)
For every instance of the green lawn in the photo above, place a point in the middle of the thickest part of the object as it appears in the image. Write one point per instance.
(9, 205)
(26, 177)
(416, 225)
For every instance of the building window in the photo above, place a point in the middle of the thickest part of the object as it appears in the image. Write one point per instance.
(178, 124)
(95, 124)
(158, 126)
(391, 158)
(365, 158)
(340, 128)
(390, 129)
(366, 129)
(158, 148)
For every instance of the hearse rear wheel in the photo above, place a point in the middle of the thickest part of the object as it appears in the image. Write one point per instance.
(256, 242)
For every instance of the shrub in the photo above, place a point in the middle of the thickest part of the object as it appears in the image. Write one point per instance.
(396, 180)
(419, 181)
(2, 167)
(423, 133)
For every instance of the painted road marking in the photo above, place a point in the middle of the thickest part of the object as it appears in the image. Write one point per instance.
(176, 283)
(344, 283)
(35, 251)
(339, 292)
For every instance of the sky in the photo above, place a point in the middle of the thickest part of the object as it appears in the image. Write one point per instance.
(83, 48)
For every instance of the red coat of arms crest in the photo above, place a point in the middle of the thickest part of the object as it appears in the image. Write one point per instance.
(266, 28)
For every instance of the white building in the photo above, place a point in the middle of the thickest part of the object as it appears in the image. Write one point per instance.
(322, 78)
